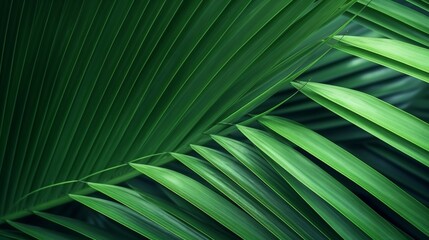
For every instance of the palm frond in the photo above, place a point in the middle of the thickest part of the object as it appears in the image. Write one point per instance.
(279, 179)
(394, 126)
(88, 86)
(214, 119)
(397, 55)
(395, 20)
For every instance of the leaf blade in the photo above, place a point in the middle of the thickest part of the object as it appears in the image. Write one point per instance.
(354, 169)
(231, 217)
(322, 184)
(400, 56)
(382, 114)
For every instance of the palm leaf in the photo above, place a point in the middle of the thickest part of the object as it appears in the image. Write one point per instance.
(151, 211)
(124, 216)
(351, 167)
(341, 69)
(90, 88)
(400, 56)
(232, 190)
(100, 84)
(78, 226)
(339, 208)
(40, 233)
(321, 183)
(219, 208)
(401, 130)
(395, 20)
(181, 214)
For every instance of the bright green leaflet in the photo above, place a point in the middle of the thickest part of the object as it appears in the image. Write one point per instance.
(149, 210)
(354, 169)
(400, 56)
(323, 185)
(125, 216)
(220, 209)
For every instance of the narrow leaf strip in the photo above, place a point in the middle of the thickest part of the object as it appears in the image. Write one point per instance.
(218, 208)
(400, 56)
(390, 124)
(137, 203)
(393, 19)
(324, 185)
(342, 225)
(124, 216)
(259, 191)
(13, 234)
(248, 156)
(39, 232)
(354, 169)
(179, 213)
(80, 227)
(238, 196)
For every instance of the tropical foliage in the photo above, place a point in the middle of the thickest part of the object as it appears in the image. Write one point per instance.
(214, 119)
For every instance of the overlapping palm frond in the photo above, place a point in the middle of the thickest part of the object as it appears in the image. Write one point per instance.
(171, 95)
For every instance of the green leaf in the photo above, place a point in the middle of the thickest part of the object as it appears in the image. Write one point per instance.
(86, 88)
(89, 86)
(402, 170)
(125, 217)
(354, 169)
(203, 226)
(420, 3)
(393, 19)
(324, 185)
(239, 196)
(149, 210)
(400, 56)
(218, 208)
(78, 226)
(392, 125)
(259, 166)
(259, 191)
(39, 232)
(13, 234)
(339, 222)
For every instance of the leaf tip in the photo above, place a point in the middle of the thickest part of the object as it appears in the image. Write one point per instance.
(133, 164)
(297, 85)
(196, 147)
(215, 137)
(75, 197)
(93, 185)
